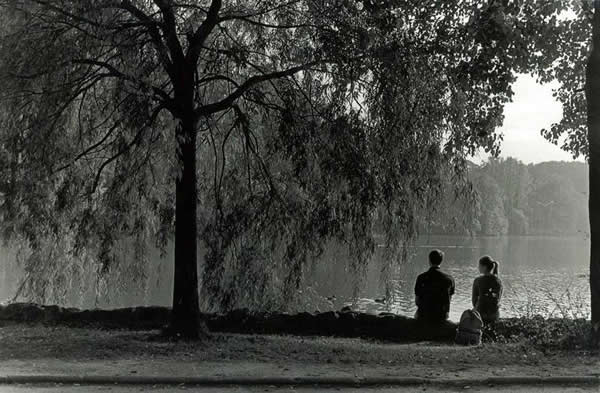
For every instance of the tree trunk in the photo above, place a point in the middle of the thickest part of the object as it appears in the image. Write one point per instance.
(593, 122)
(185, 312)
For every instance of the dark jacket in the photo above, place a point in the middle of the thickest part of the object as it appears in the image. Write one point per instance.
(433, 292)
(487, 292)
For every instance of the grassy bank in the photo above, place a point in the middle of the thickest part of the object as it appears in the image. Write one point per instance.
(38, 349)
(544, 334)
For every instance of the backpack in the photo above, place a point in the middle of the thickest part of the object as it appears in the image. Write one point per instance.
(469, 328)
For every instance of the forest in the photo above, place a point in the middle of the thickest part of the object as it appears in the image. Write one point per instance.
(513, 198)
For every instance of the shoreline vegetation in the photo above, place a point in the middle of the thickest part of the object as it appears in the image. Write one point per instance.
(49, 340)
(517, 199)
(538, 332)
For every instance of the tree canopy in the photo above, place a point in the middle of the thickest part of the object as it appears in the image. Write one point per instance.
(573, 58)
(282, 125)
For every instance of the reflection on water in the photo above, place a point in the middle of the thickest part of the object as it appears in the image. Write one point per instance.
(541, 275)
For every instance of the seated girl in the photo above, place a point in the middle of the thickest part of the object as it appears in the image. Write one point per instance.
(487, 290)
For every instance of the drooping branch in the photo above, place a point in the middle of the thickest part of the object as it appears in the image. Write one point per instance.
(153, 30)
(228, 101)
(90, 149)
(136, 140)
(165, 98)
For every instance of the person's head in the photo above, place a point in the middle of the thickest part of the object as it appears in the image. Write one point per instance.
(436, 257)
(488, 266)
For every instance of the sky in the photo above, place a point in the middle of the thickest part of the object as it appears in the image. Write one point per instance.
(532, 109)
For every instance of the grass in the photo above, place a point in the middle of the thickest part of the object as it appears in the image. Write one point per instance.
(544, 333)
(42, 345)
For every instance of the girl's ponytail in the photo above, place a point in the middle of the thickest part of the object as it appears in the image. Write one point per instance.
(490, 264)
(495, 268)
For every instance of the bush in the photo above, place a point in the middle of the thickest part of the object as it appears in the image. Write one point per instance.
(552, 333)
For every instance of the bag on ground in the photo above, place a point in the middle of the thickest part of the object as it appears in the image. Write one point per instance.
(469, 328)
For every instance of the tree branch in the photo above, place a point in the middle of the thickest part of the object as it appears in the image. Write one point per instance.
(152, 27)
(253, 13)
(167, 100)
(169, 28)
(89, 149)
(125, 149)
(227, 102)
(213, 78)
(199, 37)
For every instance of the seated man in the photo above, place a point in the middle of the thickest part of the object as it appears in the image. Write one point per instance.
(433, 291)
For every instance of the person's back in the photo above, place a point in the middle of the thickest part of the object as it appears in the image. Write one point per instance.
(433, 291)
(487, 291)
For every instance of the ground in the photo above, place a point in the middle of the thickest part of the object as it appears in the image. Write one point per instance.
(418, 389)
(42, 350)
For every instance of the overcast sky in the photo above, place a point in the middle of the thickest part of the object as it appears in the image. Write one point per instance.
(532, 109)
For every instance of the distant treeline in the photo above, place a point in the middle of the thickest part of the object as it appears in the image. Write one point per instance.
(512, 198)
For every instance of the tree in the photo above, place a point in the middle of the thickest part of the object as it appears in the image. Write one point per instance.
(493, 218)
(282, 125)
(513, 180)
(107, 73)
(592, 87)
(573, 60)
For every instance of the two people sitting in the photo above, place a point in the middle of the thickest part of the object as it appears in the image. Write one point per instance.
(434, 290)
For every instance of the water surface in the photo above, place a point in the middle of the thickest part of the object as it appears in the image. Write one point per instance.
(541, 275)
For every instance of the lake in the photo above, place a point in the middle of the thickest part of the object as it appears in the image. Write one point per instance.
(541, 275)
